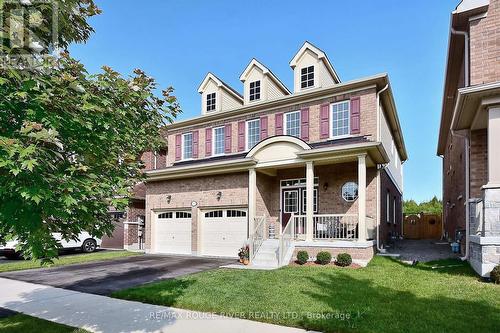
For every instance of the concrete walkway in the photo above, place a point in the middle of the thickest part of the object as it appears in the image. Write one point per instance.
(422, 250)
(104, 314)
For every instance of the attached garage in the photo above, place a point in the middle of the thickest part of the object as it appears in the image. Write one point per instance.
(224, 232)
(173, 232)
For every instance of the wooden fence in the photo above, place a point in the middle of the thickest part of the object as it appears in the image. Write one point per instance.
(422, 226)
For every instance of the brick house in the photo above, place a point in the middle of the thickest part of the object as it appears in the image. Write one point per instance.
(470, 127)
(242, 171)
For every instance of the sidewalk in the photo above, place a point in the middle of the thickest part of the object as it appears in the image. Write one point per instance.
(104, 314)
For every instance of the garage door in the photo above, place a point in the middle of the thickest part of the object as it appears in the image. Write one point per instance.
(173, 232)
(223, 232)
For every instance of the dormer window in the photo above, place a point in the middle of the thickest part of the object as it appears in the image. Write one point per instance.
(255, 90)
(307, 77)
(211, 102)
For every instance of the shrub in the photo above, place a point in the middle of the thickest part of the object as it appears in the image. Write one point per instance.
(495, 274)
(344, 259)
(324, 258)
(302, 257)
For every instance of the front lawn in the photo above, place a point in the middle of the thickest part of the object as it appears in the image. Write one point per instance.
(387, 296)
(16, 265)
(20, 323)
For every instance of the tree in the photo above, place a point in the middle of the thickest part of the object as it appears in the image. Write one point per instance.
(70, 144)
(433, 206)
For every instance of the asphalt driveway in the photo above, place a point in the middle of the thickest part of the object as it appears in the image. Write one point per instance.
(105, 277)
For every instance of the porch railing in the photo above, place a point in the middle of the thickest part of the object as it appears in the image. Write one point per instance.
(285, 240)
(257, 237)
(335, 226)
(327, 226)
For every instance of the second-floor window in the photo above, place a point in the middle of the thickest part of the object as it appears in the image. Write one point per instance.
(211, 102)
(253, 133)
(187, 146)
(254, 91)
(341, 119)
(218, 140)
(307, 77)
(292, 123)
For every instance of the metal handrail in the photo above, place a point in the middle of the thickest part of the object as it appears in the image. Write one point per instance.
(257, 237)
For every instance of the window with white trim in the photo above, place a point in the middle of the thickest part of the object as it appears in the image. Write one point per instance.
(211, 102)
(253, 133)
(236, 213)
(388, 207)
(307, 77)
(291, 201)
(254, 91)
(214, 213)
(167, 215)
(218, 136)
(292, 123)
(182, 215)
(350, 191)
(304, 200)
(341, 119)
(187, 146)
(394, 211)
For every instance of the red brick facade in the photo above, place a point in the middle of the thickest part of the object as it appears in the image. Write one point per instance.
(368, 126)
(390, 219)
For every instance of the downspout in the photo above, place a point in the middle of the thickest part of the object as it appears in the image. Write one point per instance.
(466, 53)
(467, 142)
(378, 169)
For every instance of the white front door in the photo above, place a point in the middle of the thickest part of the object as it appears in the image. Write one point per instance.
(224, 231)
(173, 232)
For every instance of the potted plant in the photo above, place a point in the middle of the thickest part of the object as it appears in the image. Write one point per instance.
(244, 255)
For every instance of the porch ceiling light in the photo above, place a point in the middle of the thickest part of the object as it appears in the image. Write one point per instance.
(219, 195)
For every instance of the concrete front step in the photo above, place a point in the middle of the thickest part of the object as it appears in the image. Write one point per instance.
(267, 255)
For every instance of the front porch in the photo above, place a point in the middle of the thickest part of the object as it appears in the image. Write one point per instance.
(341, 216)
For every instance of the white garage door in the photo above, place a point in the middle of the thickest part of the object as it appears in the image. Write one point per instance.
(173, 232)
(223, 232)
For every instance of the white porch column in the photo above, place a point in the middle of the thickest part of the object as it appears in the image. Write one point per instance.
(362, 197)
(493, 140)
(252, 199)
(309, 200)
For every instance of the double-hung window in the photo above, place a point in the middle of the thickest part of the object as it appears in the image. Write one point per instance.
(292, 123)
(307, 77)
(187, 146)
(254, 91)
(253, 133)
(218, 140)
(211, 102)
(341, 119)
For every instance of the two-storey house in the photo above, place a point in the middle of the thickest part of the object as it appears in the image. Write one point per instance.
(470, 132)
(319, 168)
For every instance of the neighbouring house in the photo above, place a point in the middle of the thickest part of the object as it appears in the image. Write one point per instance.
(470, 131)
(244, 170)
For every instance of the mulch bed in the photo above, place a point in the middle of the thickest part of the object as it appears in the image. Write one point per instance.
(310, 263)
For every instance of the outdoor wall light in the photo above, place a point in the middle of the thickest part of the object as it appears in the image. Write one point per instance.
(169, 197)
(325, 186)
(219, 195)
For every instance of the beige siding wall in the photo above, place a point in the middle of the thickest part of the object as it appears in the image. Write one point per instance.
(395, 167)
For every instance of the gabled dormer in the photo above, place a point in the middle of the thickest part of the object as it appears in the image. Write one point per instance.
(312, 69)
(260, 84)
(217, 96)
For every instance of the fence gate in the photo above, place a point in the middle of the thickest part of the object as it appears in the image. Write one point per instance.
(422, 226)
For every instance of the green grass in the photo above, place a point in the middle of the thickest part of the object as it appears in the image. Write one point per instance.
(386, 296)
(20, 323)
(65, 260)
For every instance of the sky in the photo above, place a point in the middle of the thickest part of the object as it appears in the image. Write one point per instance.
(178, 42)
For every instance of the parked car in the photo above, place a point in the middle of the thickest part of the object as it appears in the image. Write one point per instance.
(85, 242)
